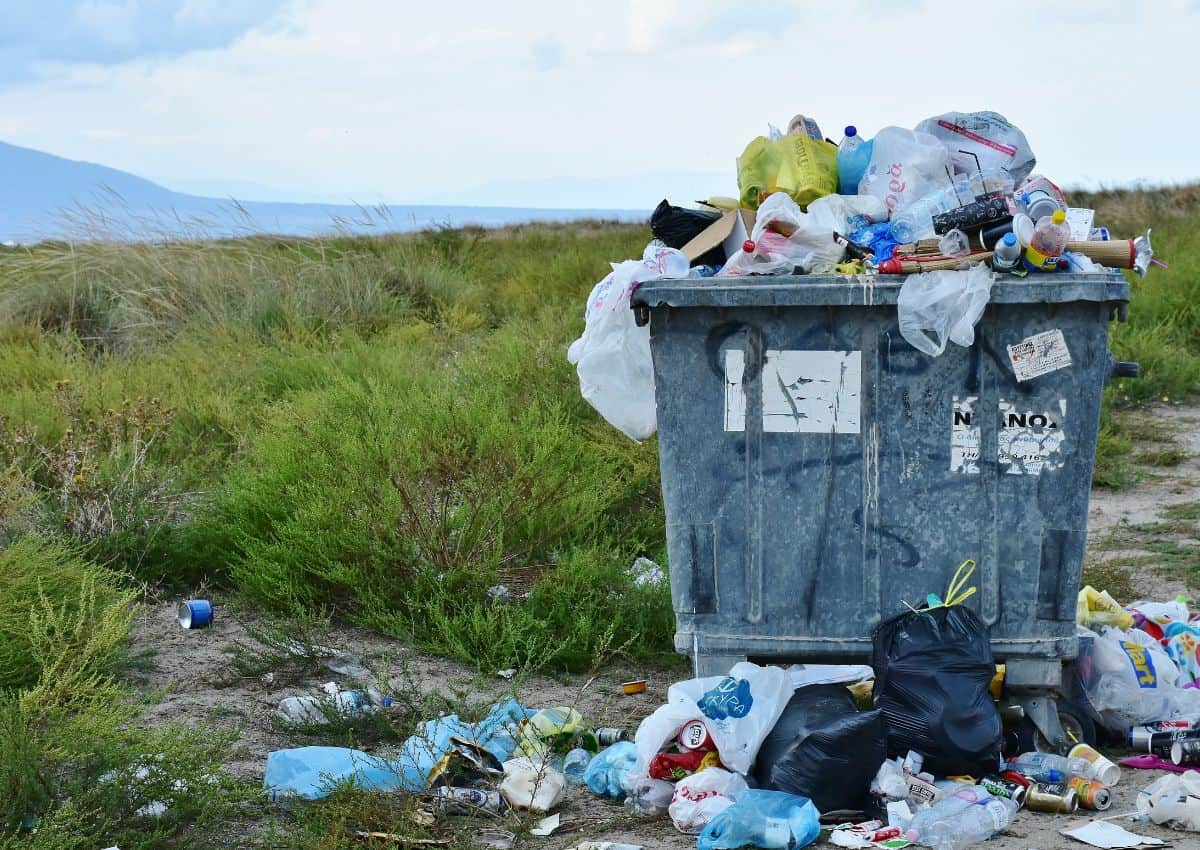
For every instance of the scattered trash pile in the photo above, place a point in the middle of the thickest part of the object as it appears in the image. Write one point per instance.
(953, 203)
(911, 750)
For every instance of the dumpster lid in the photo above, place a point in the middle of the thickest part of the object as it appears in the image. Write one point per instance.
(865, 290)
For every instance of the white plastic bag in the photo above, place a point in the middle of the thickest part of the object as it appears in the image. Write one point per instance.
(532, 784)
(944, 304)
(905, 165)
(702, 795)
(1130, 679)
(987, 135)
(616, 374)
(739, 710)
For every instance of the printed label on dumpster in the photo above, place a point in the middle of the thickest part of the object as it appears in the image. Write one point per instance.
(1039, 354)
(735, 390)
(964, 436)
(1030, 441)
(817, 392)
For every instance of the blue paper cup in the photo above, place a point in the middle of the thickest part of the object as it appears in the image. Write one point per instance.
(195, 614)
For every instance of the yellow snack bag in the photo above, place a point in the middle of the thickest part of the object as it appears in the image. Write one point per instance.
(1096, 608)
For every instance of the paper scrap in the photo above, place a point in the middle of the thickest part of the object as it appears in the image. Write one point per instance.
(1109, 836)
(546, 826)
(1039, 354)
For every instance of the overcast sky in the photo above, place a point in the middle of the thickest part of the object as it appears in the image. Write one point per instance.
(576, 104)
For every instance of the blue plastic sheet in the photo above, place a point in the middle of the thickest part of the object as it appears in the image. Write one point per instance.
(311, 772)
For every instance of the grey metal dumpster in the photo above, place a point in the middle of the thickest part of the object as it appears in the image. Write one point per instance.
(818, 471)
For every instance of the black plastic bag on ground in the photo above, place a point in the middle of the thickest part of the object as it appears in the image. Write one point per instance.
(835, 764)
(677, 226)
(822, 747)
(932, 670)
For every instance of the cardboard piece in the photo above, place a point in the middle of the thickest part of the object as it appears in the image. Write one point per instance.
(729, 231)
(1109, 836)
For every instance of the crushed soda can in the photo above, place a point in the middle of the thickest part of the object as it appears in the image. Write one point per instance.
(1186, 752)
(695, 736)
(606, 736)
(998, 786)
(463, 801)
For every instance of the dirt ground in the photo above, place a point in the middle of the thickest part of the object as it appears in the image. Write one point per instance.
(192, 671)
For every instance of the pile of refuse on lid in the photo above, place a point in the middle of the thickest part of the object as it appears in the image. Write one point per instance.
(911, 750)
(956, 190)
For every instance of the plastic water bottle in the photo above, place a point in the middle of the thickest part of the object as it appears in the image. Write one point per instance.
(1007, 253)
(1047, 767)
(968, 826)
(853, 157)
(916, 220)
(1050, 237)
(575, 764)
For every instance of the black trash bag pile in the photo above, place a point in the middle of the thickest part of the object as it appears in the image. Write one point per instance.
(932, 670)
(677, 226)
(823, 748)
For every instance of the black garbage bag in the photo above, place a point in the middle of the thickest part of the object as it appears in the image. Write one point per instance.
(822, 747)
(932, 670)
(677, 226)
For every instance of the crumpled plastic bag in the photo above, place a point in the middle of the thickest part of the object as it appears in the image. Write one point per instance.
(607, 773)
(1173, 801)
(1095, 608)
(834, 763)
(905, 165)
(987, 135)
(797, 165)
(1129, 679)
(739, 710)
(308, 772)
(699, 797)
(943, 306)
(532, 784)
(783, 820)
(616, 374)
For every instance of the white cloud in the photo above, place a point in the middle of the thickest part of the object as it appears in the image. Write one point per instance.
(420, 102)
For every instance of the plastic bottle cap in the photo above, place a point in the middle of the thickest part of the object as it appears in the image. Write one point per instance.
(1059, 217)
(748, 246)
(1010, 238)
(851, 130)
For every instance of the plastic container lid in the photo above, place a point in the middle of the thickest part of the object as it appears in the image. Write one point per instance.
(1023, 227)
(851, 130)
(748, 246)
(1059, 217)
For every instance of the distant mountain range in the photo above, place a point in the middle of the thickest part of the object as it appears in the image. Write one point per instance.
(44, 196)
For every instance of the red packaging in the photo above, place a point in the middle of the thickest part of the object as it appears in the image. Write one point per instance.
(1019, 778)
(675, 766)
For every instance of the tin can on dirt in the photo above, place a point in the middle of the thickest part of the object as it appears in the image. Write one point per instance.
(466, 800)
(1051, 797)
(195, 614)
(695, 736)
(606, 736)
(1091, 794)
(998, 786)
(1185, 752)
(1147, 740)
(637, 686)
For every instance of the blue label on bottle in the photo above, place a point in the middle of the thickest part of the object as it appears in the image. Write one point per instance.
(730, 698)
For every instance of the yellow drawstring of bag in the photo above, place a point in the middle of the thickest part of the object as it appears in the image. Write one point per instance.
(956, 592)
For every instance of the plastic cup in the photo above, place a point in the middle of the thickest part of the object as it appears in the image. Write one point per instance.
(1102, 769)
(195, 614)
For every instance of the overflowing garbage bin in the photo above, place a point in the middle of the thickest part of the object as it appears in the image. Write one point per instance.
(819, 472)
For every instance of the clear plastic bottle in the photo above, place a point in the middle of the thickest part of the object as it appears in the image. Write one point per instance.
(968, 826)
(1007, 253)
(575, 764)
(1047, 767)
(916, 220)
(1050, 237)
(853, 157)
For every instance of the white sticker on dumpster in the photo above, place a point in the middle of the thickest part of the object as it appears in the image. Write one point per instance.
(964, 436)
(1039, 354)
(735, 390)
(1030, 441)
(812, 392)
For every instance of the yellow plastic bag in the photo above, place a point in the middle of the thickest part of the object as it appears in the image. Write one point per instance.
(1096, 608)
(803, 167)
